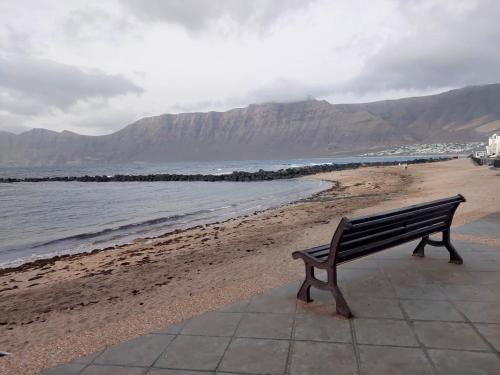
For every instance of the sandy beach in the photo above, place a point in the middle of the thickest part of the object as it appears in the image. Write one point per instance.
(60, 309)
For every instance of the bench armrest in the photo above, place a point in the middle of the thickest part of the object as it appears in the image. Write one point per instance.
(308, 258)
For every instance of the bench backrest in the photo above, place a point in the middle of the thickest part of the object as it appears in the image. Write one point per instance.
(361, 236)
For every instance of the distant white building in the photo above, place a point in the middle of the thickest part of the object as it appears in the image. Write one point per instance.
(493, 148)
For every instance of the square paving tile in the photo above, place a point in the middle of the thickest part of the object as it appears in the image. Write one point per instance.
(193, 353)
(384, 332)
(431, 310)
(465, 363)
(473, 247)
(368, 262)
(172, 329)
(240, 306)
(347, 274)
(378, 286)
(408, 277)
(399, 252)
(255, 356)
(66, 369)
(494, 254)
(164, 371)
(270, 303)
(212, 324)
(447, 335)
(320, 358)
(428, 292)
(316, 308)
(322, 328)
(322, 296)
(478, 293)
(486, 278)
(287, 291)
(384, 360)
(142, 351)
(485, 263)
(491, 332)
(414, 265)
(452, 276)
(485, 226)
(480, 312)
(439, 252)
(88, 358)
(367, 307)
(113, 370)
(266, 325)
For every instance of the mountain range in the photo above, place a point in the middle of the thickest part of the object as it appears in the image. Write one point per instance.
(311, 128)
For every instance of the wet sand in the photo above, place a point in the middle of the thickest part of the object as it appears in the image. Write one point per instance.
(55, 311)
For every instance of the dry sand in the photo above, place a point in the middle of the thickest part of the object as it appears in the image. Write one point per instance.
(56, 311)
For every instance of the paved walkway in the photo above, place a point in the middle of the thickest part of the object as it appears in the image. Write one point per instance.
(413, 316)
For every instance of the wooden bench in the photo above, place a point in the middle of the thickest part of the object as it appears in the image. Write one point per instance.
(362, 236)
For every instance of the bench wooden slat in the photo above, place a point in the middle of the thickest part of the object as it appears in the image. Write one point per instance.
(403, 226)
(318, 249)
(455, 199)
(321, 252)
(347, 235)
(390, 242)
(395, 218)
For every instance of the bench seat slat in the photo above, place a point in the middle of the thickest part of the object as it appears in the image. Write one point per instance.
(390, 242)
(318, 249)
(398, 223)
(395, 218)
(404, 227)
(456, 200)
(322, 252)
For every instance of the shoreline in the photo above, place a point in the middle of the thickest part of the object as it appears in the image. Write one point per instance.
(41, 262)
(128, 239)
(76, 307)
(235, 176)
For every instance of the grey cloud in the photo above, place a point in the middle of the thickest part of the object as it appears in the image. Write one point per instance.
(91, 24)
(448, 50)
(33, 86)
(15, 41)
(285, 90)
(196, 15)
(11, 123)
(278, 91)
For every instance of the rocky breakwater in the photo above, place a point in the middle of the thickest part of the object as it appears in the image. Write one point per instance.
(236, 176)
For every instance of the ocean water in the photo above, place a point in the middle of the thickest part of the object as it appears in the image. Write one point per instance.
(198, 167)
(39, 220)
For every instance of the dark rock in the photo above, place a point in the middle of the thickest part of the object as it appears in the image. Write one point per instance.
(236, 176)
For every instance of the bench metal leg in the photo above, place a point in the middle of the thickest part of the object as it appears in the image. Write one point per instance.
(454, 256)
(340, 303)
(446, 242)
(304, 293)
(419, 250)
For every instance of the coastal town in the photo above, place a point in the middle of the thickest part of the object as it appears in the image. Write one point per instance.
(490, 155)
(431, 149)
(484, 153)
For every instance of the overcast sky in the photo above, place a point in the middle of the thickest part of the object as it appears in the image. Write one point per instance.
(95, 66)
